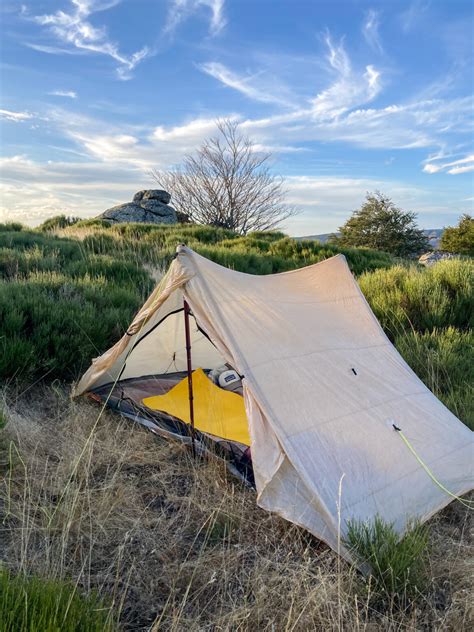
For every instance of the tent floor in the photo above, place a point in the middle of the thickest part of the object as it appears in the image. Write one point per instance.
(126, 397)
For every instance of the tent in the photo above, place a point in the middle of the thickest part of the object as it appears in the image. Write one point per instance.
(324, 401)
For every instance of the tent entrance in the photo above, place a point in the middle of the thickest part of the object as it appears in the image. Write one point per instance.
(180, 400)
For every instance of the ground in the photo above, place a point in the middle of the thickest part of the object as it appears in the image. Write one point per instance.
(179, 544)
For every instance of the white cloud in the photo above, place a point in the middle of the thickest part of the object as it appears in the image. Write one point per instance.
(68, 94)
(250, 85)
(370, 30)
(455, 167)
(81, 189)
(17, 117)
(191, 133)
(181, 10)
(86, 189)
(350, 89)
(75, 31)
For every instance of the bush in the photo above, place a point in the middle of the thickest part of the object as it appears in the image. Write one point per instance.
(11, 226)
(414, 298)
(379, 224)
(59, 221)
(54, 325)
(444, 360)
(397, 565)
(460, 238)
(31, 604)
(257, 253)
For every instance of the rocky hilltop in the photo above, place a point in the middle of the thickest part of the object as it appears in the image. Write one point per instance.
(147, 207)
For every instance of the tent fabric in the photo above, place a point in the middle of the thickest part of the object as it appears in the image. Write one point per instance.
(323, 387)
(216, 411)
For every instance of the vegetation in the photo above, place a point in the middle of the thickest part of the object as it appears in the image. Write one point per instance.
(65, 299)
(444, 360)
(228, 183)
(380, 225)
(179, 544)
(31, 603)
(410, 298)
(168, 542)
(397, 565)
(59, 221)
(459, 239)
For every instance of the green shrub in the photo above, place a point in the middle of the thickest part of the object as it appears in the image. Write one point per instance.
(397, 565)
(11, 226)
(444, 360)
(460, 238)
(256, 253)
(52, 324)
(31, 604)
(58, 221)
(420, 299)
(27, 240)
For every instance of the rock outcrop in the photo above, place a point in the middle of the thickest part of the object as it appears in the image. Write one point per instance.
(147, 207)
(429, 258)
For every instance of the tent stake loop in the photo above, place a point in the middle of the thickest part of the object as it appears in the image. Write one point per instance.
(190, 371)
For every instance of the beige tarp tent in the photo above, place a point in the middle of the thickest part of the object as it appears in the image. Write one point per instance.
(323, 388)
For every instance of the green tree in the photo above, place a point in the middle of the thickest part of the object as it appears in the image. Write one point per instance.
(58, 221)
(460, 238)
(380, 225)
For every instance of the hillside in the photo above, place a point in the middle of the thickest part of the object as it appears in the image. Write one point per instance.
(172, 543)
(433, 234)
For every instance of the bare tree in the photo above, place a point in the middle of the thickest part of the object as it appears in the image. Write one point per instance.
(228, 183)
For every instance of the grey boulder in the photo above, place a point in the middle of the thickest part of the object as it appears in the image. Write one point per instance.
(430, 258)
(148, 207)
(156, 207)
(152, 194)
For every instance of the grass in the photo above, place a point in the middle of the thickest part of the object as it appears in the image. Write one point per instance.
(179, 544)
(409, 298)
(170, 543)
(31, 603)
(69, 290)
(444, 360)
(398, 566)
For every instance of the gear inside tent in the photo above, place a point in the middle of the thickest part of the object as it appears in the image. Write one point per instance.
(290, 379)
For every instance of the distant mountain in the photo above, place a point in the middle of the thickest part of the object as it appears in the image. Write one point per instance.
(433, 234)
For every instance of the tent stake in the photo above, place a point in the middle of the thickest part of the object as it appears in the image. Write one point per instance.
(190, 376)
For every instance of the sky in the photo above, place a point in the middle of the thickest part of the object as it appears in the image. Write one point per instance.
(348, 96)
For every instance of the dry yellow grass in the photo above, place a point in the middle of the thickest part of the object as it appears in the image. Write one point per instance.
(178, 544)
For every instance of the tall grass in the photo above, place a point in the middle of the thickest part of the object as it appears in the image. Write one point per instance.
(408, 298)
(398, 566)
(30, 604)
(66, 296)
(178, 544)
(444, 360)
(175, 544)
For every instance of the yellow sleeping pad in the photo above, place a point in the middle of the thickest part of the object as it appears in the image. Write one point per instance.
(216, 411)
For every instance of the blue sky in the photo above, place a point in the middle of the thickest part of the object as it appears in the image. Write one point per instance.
(349, 96)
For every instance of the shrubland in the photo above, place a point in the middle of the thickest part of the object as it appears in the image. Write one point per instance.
(126, 529)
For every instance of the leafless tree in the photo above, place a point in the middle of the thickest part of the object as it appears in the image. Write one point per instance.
(227, 182)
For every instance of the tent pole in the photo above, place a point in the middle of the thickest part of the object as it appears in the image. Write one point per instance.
(190, 370)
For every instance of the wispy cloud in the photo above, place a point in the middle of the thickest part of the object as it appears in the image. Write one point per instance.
(74, 30)
(76, 188)
(412, 16)
(463, 165)
(350, 88)
(370, 30)
(16, 117)
(86, 189)
(68, 94)
(181, 10)
(248, 85)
